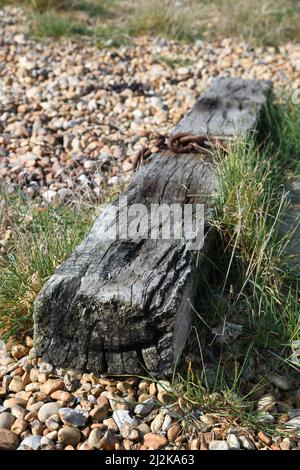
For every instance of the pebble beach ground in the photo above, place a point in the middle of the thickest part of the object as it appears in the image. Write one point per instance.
(71, 115)
(46, 408)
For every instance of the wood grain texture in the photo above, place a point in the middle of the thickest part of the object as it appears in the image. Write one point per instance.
(290, 226)
(123, 306)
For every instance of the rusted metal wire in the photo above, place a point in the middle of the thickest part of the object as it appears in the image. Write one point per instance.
(184, 142)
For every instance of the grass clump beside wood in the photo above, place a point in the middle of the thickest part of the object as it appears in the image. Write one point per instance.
(247, 315)
(34, 241)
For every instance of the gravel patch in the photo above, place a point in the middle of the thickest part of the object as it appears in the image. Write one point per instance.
(88, 412)
(71, 115)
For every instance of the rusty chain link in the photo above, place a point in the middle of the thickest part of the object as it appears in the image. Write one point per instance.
(184, 142)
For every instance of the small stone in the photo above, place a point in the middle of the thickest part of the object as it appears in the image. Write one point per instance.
(122, 418)
(73, 417)
(95, 438)
(173, 432)
(6, 420)
(207, 420)
(45, 368)
(19, 426)
(35, 406)
(8, 440)
(18, 411)
(152, 388)
(293, 423)
(26, 378)
(285, 444)
(89, 164)
(53, 423)
(265, 417)
(167, 423)
(134, 435)
(275, 446)
(194, 445)
(108, 441)
(266, 402)
(84, 446)
(154, 441)
(99, 413)
(18, 351)
(114, 181)
(34, 373)
(24, 395)
(32, 387)
(49, 195)
(163, 386)
(127, 166)
(31, 442)
(52, 385)
(280, 381)
(118, 403)
(157, 423)
(36, 427)
(142, 409)
(102, 400)
(183, 71)
(218, 445)
(233, 442)
(11, 402)
(64, 194)
(46, 441)
(264, 438)
(31, 416)
(68, 435)
(143, 428)
(137, 115)
(52, 435)
(111, 424)
(29, 342)
(16, 384)
(47, 410)
(246, 443)
(163, 397)
(144, 385)
(61, 395)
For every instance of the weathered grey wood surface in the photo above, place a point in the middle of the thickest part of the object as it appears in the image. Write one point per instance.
(122, 306)
(290, 225)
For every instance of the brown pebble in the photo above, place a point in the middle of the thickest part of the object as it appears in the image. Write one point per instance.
(18, 351)
(173, 432)
(52, 385)
(194, 445)
(61, 395)
(154, 441)
(98, 426)
(26, 378)
(264, 438)
(275, 447)
(19, 426)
